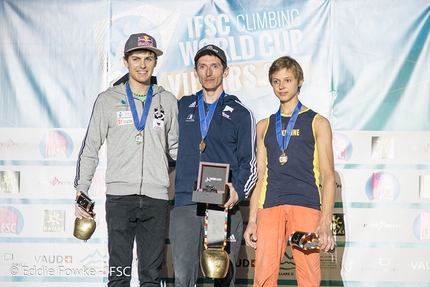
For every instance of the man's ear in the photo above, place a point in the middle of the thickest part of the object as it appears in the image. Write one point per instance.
(225, 73)
(125, 62)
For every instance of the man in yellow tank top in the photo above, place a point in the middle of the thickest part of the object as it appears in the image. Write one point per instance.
(294, 153)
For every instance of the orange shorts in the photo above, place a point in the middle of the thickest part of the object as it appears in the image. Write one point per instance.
(274, 226)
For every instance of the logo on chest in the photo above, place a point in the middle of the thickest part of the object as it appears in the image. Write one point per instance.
(190, 118)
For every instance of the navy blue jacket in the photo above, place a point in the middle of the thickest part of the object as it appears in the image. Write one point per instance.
(230, 139)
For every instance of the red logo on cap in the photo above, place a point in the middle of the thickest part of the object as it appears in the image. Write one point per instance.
(144, 41)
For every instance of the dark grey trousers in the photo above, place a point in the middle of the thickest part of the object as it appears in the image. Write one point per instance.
(186, 239)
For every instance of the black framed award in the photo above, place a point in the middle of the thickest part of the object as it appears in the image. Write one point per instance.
(211, 183)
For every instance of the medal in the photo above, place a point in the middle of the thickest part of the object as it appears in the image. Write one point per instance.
(139, 138)
(139, 123)
(283, 158)
(202, 145)
(284, 140)
(205, 119)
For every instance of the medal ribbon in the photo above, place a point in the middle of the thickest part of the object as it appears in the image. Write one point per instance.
(139, 124)
(284, 140)
(205, 120)
(205, 239)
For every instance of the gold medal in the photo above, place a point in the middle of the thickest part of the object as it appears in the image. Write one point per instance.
(139, 138)
(283, 158)
(202, 145)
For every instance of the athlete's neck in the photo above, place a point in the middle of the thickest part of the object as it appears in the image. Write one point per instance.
(211, 96)
(138, 88)
(287, 108)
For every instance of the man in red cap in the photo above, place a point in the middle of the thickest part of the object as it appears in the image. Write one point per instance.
(138, 122)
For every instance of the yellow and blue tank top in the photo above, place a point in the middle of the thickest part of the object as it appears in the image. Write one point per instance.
(296, 182)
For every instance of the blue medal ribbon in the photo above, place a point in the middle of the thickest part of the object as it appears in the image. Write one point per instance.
(139, 124)
(205, 120)
(284, 140)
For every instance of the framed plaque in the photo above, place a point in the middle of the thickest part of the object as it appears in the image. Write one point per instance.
(211, 183)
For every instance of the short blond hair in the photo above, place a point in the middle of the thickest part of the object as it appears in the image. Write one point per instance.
(288, 63)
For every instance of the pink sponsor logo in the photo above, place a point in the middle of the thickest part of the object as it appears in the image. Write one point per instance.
(56, 144)
(11, 220)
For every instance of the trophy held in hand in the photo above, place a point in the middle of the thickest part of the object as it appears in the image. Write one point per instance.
(305, 240)
(212, 190)
(214, 261)
(84, 227)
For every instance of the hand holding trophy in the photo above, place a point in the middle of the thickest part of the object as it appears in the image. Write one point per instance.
(306, 240)
(85, 224)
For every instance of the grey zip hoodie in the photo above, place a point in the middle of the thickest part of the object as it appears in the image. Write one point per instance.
(132, 168)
